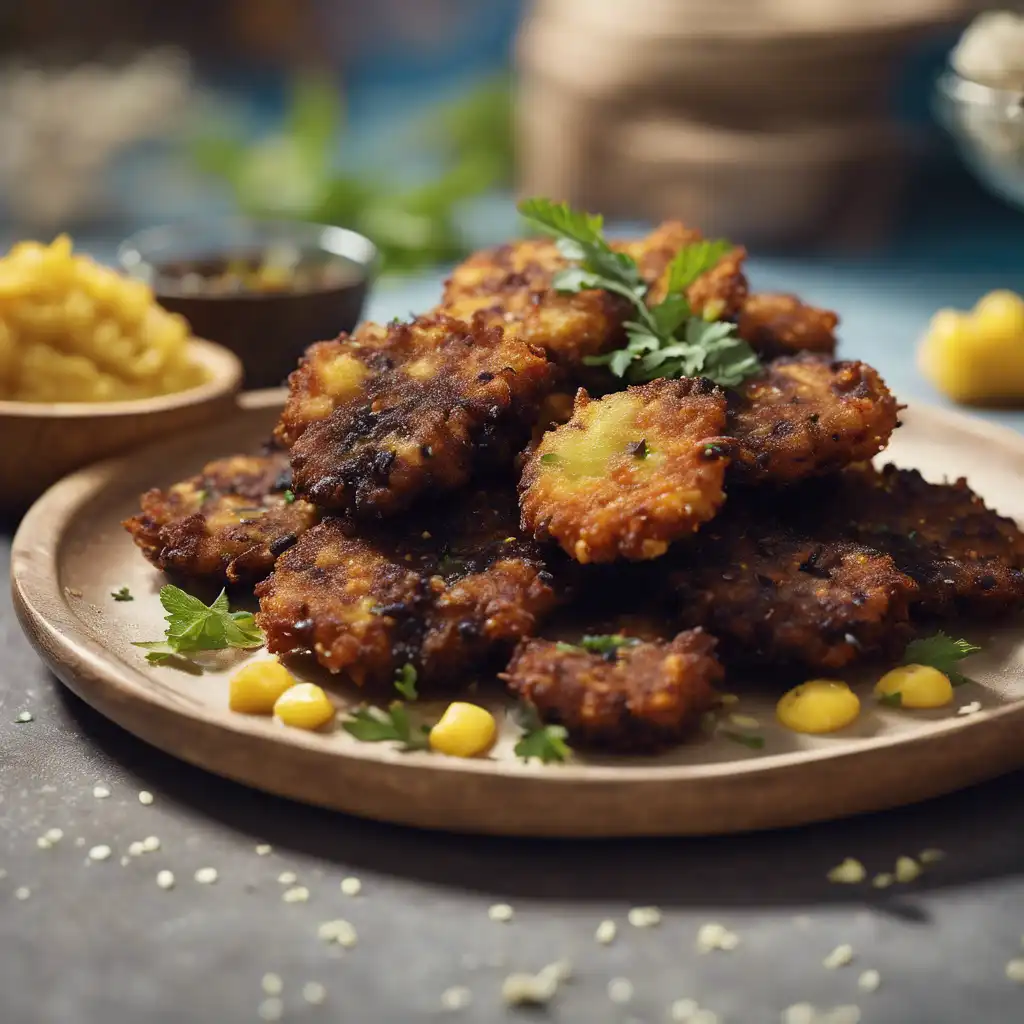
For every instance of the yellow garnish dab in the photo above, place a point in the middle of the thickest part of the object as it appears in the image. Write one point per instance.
(256, 687)
(915, 686)
(977, 356)
(819, 705)
(464, 730)
(304, 706)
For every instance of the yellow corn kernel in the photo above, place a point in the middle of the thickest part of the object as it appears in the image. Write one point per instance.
(256, 687)
(918, 686)
(819, 705)
(304, 706)
(464, 730)
(1000, 315)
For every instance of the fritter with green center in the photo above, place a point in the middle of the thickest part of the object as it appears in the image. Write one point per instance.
(629, 473)
(446, 593)
(230, 523)
(805, 416)
(779, 325)
(640, 697)
(376, 421)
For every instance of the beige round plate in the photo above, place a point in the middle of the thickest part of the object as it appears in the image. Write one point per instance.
(70, 554)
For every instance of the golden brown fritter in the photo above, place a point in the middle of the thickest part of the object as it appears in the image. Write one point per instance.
(376, 421)
(779, 325)
(444, 593)
(231, 522)
(775, 595)
(513, 283)
(964, 557)
(641, 697)
(629, 473)
(805, 416)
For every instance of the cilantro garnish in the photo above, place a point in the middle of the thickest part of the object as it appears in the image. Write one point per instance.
(375, 725)
(666, 340)
(289, 496)
(545, 743)
(194, 626)
(744, 739)
(405, 681)
(942, 652)
(122, 594)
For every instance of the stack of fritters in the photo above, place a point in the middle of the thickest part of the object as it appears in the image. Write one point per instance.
(747, 524)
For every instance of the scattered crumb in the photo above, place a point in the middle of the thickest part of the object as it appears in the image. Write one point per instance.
(745, 721)
(869, 981)
(271, 1009)
(298, 894)
(501, 912)
(1015, 970)
(351, 886)
(101, 852)
(22, 892)
(136, 849)
(338, 931)
(150, 844)
(620, 990)
(272, 984)
(907, 869)
(458, 997)
(145, 797)
(931, 856)
(850, 872)
(43, 843)
(55, 835)
(969, 709)
(883, 880)
(73, 591)
(264, 850)
(100, 792)
(314, 993)
(839, 957)
(716, 936)
(206, 876)
(644, 917)
(165, 879)
(534, 989)
(24, 717)
(683, 1009)
(606, 932)
(287, 878)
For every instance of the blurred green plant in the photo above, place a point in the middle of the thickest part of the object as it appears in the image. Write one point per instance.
(292, 174)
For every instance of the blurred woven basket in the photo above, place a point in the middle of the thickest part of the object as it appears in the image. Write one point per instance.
(763, 119)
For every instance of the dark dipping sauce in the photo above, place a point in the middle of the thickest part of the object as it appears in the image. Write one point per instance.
(267, 307)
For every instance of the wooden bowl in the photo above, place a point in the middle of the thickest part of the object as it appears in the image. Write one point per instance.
(44, 441)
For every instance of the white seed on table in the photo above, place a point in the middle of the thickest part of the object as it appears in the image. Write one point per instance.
(606, 932)
(839, 957)
(501, 912)
(351, 886)
(299, 894)
(287, 878)
(145, 797)
(206, 876)
(23, 717)
(264, 850)
(136, 849)
(458, 997)
(272, 984)
(101, 852)
(314, 993)
(165, 879)
(271, 1009)
(869, 981)
(644, 917)
(150, 844)
(620, 990)
(43, 843)
(100, 792)
(22, 892)
(338, 931)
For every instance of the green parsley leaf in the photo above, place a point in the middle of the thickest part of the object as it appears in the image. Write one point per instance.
(891, 700)
(607, 643)
(942, 652)
(289, 496)
(122, 594)
(743, 739)
(565, 648)
(375, 725)
(545, 743)
(405, 681)
(692, 261)
(549, 459)
(194, 626)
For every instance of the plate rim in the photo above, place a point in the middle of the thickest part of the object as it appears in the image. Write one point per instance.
(81, 662)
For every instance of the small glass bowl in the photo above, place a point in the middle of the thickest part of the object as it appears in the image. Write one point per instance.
(267, 329)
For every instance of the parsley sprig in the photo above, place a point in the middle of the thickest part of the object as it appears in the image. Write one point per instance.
(544, 743)
(603, 643)
(377, 725)
(942, 652)
(193, 626)
(122, 594)
(405, 681)
(665, 340)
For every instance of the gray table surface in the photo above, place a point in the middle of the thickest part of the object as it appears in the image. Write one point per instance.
(100, 943)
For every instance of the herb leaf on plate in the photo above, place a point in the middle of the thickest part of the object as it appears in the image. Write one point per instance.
(940, 651)
(544, 743)
(376, 725)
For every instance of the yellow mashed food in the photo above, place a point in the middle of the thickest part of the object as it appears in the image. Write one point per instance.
(74, 331)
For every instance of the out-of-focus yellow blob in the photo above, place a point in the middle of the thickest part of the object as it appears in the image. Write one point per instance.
(304, 706)
(977, 356)
(464, 730)
(256, 687)
(918, 686)
(817, 706)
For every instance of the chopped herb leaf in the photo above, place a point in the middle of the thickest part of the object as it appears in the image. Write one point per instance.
(942, 652)
(122, 594)
(550, 459)
(752, 742)
(607, 643)
(194, 626)
(892, 700)
(545, 743)
(374, 725)
(289, 496)
(405, 681)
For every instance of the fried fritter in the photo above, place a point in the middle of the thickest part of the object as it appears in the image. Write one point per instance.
(639, 698)
(231, 522)
(444, 594)
(805, 416)
(512, 283)
(375, 421)
(629, 473)
(964, 557)
(774, 594)
(779, 325)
